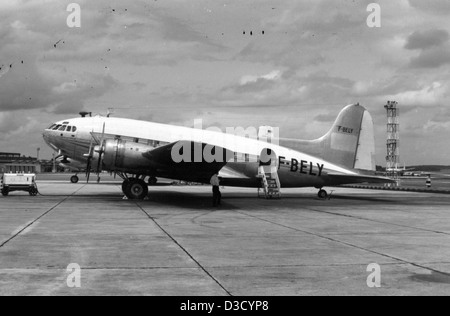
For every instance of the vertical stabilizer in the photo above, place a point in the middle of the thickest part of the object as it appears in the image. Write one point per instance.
(349, 143)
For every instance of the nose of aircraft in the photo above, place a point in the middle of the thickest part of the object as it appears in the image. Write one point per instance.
(46, 134)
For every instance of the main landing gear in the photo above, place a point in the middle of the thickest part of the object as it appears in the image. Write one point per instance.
(322, 194)
(135, 188)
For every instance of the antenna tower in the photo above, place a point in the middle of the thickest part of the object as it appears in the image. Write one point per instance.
(393, 140)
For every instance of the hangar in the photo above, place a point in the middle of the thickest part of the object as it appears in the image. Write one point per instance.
(16, 163)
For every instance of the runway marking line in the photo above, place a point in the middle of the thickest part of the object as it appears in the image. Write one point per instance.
(26, 227)
(185, 251)
(348, 244)
(379, 222)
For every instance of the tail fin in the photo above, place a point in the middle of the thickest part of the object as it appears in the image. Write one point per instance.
(350, 142)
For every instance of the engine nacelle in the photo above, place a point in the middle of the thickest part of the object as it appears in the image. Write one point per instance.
(126, 156)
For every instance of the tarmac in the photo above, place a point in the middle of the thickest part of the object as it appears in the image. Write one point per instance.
(176, 243)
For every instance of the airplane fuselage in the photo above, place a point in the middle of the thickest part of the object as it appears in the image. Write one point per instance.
(295, 169)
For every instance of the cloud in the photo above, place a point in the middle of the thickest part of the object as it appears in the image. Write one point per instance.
(325, 118)
(35, 89)
(428, 96)
(172, 61)
(443, 116)
(70, 97)
(440, 7)
(427, 39)
(433, 58)
(15, 123)
(39, 91)
(434, 47)
(272, 76)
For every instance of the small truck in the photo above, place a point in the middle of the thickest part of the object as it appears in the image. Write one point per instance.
(11, 182)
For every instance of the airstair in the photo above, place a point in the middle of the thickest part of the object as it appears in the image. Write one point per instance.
(268, 173)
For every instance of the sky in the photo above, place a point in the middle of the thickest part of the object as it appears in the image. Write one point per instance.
(292, 64)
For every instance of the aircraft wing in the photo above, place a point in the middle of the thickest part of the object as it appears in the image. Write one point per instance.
(191, 168)
(356, 178)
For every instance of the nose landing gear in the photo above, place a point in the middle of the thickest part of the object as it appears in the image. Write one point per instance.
(322, 194)
(74, 179)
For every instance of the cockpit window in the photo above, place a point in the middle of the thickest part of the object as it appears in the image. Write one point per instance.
(62, 128)
(51, 126)
(74, 129)
(56, 127)
(69, 129)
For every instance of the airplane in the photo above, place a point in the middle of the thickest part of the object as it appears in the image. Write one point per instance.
(135, 150)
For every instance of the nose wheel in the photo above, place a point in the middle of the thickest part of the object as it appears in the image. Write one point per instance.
(74, 179)
(322, 194)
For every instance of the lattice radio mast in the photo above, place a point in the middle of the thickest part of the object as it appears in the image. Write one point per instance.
(393, 140)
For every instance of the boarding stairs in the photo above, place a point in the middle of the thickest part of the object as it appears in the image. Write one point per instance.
(270, 183)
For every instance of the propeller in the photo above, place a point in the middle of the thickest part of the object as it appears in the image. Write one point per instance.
(100, 150)
(89, 156)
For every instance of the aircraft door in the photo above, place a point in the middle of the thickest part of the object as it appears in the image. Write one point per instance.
(268, 161)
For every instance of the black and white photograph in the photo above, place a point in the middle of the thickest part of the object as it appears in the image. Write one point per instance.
(224, 153)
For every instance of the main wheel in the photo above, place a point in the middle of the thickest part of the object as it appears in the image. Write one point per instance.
(323, 194)
(124, 186)
(136, 189)
(74, 179)
(5, 191)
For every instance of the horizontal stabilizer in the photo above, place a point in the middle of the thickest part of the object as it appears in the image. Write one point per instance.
(356, 179)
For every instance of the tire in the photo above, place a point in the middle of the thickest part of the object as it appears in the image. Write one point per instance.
(33, 192)
(323, 194)
(124, 186)
(74, 179)
(137, 190)
(5, 191)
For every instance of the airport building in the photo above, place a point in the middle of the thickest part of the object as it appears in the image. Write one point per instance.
(16, 163)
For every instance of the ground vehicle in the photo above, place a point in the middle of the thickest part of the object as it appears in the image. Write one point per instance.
(11, 182)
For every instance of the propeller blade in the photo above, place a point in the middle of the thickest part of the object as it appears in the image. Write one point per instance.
(99, 163)
(89, 159)
(101, 149)
(103, 132)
